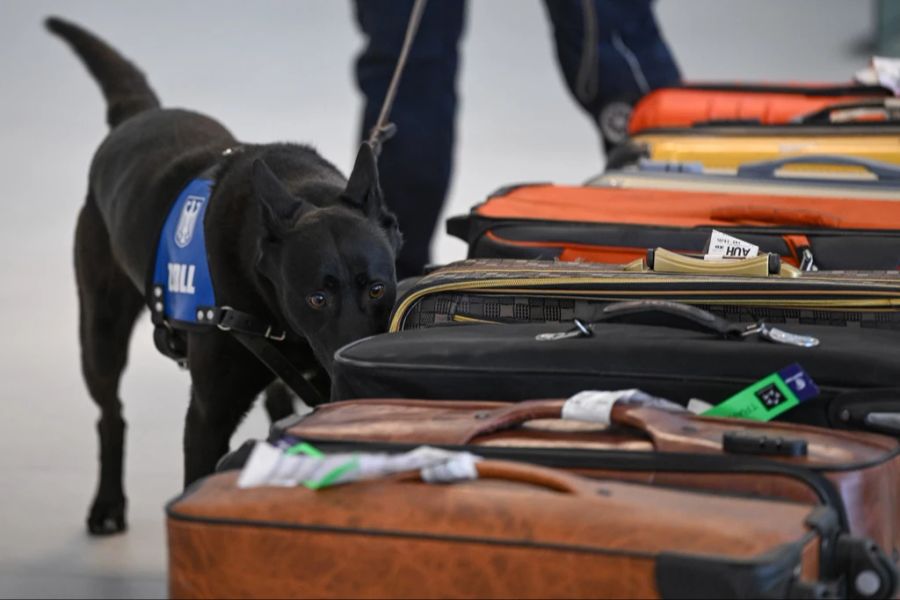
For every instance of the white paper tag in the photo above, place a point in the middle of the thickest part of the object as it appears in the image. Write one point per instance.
(697, 406)
(596, 406)
(882, 71)
(458, 468)
(722, 245)
(269, 466)
(591, 405)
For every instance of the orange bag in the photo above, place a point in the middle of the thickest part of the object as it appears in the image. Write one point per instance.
(611, 225)
(762, 104)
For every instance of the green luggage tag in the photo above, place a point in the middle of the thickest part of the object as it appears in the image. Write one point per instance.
(768, 397)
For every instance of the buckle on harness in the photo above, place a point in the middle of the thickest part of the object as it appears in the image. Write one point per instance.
(276, 338)
(223, 310)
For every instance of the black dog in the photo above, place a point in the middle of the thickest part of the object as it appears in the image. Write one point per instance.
(288, 239)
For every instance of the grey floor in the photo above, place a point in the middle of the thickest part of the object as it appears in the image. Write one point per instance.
(270, 70)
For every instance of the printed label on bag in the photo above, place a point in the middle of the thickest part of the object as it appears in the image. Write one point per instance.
(721, 245)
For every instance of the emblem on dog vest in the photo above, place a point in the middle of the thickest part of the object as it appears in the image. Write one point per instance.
(188, 220)
(181, 280)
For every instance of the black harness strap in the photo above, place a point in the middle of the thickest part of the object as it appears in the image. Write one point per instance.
(255, 334)
(229, 319)
(278, 363)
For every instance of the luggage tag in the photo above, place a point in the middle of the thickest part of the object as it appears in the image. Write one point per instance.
(288, 465)
(768, 397)
(883, 71)
(723, 246)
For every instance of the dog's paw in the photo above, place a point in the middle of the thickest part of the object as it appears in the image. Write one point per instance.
(107, 518)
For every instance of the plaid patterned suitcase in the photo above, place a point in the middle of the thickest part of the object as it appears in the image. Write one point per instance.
(518, 291)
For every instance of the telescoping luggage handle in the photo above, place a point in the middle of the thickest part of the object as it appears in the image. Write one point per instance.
(766, 169)
(682, 316)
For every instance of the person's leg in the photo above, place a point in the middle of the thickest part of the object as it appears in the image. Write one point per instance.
(415, 165)
(632, 58)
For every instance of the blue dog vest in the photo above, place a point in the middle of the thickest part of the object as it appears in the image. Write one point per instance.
(181, 280)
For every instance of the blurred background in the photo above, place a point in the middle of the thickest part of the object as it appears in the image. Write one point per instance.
(270, 70)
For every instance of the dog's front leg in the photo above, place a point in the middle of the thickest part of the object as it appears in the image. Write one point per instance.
(225, 381)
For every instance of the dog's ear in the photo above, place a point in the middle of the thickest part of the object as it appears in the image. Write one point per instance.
(279, 210)
(363, 192)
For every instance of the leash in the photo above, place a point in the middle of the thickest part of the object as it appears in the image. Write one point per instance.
(383, 129)
(586, 84)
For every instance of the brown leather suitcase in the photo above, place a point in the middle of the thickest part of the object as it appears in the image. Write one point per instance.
(856, 473)
(517, 531)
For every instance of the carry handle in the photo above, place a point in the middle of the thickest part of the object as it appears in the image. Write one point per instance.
(766, 169)
(670, 314)
(652, 422)
(660, 260)
(852, 111)
(774, 215)
(544, 477)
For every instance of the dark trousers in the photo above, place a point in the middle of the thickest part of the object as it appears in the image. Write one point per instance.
(416, 163)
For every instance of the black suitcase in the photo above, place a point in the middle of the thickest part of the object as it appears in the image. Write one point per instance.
(666, 349)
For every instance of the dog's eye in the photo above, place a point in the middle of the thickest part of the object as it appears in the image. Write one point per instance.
(316, 300)
(376, 291)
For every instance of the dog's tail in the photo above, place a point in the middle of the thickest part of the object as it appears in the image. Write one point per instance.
(126, 90)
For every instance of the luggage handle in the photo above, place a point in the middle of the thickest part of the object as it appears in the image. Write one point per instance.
(660, 421)
(664, 313)
(670, 314)
(661, 426)
(766, 169)
(661, 312)
(629, 408)
(660, 260)
(852, 111)
(875, 410)
(545, 477)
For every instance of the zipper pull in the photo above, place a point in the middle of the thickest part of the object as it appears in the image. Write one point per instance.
(780, 336)
(580, 330)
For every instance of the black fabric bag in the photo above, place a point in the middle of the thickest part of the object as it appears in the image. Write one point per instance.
(676, 353)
